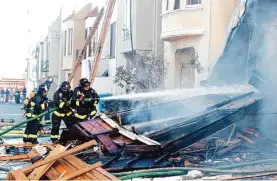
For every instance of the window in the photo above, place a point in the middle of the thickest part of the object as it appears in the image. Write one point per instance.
(64, 45)
(112, 40)
(126, 19)
(70, 42)
(94, 42)
(89, 45)
(193, 2)
(167, 5)
(177, 4)
(48, 51)
(86, 36)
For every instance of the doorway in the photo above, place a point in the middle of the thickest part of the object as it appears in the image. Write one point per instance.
(184, 67)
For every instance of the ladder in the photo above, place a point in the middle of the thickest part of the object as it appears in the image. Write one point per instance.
(102, 38)
(87, 41)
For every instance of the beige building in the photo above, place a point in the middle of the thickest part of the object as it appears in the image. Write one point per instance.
(192, 28)
(73, 37)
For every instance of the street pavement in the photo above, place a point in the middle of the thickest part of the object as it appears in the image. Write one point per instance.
(11, 111)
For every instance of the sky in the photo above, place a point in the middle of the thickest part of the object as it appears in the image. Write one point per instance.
(24, 22)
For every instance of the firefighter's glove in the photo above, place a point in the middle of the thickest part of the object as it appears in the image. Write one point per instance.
(44, 105)
(80, 95)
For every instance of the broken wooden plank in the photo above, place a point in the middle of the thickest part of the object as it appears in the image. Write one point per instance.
(20, 145)
(107, 174)
(18, 175)
(82, 131)
(52, 174)
(81, 171)
(108, 143)
(141, 148)
(95, 127)
(121, 139)
(56, 157)
(97, 174)
(127, 133)
(22, 157)
(34, 155)
(40, 171)
(79, 164)
(66, 169)
(245, 138)
(228, 149)
(10, 176)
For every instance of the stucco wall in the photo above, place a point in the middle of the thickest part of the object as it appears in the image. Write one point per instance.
(219, 25)
(212, 16)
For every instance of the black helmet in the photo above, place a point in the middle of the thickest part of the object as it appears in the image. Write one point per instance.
(65, 86)
(42, 88)
(84, 82)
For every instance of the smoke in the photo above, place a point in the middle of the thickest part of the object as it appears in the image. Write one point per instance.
(252, 46)
(155, 110)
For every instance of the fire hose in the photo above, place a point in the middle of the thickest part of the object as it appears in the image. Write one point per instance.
(177, 171)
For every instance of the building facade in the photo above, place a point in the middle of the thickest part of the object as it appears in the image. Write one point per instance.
(138, 30)
(10, 83)
(103, 81)
(193, 32)
(127, 33)
(53, 57)
(31, 74)
(73, 35)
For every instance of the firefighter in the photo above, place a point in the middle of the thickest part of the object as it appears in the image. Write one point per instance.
(61, 100)
(36, 106)
(84, 101)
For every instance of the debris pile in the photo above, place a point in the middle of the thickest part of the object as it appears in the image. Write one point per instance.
(60, 164)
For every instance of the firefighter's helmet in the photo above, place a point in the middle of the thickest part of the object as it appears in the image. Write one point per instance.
(84, 82)
(65, 86)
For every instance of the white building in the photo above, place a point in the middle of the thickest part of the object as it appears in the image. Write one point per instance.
(144, 15)
(103, 82)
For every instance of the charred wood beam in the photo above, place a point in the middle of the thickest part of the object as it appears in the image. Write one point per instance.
(230, 100)
(187, 126)
(142, 148)
(131, 162)
(187, 140)
(113, 159)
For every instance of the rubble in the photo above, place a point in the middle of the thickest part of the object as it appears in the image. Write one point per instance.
(60, 164)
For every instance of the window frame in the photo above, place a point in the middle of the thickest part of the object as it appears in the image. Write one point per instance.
(65, 43)
(89, 45)
(193, 5)
(112, 40)
(126, 20)
(166, 5)
(70, 41)
(86, 36)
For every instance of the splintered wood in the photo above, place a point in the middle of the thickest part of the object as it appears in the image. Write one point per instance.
(61, 164)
